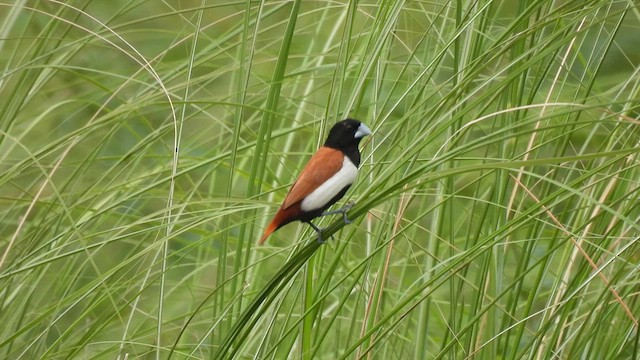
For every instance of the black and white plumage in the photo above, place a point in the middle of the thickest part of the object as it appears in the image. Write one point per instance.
(324, 180)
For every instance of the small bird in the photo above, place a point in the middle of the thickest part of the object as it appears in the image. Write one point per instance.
(324, 180)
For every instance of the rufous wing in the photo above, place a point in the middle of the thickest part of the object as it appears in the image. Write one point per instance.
(325, 163)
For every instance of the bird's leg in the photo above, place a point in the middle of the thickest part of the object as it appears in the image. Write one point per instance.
(318, 231)
(343, 210)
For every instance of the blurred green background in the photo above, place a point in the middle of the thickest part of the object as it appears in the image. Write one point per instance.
(144, 145)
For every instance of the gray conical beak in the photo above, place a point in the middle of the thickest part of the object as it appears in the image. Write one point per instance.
(362, 131)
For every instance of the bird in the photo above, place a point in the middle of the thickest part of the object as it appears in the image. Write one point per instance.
(324, 180)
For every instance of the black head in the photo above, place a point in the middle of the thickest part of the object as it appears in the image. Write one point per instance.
(346, 134)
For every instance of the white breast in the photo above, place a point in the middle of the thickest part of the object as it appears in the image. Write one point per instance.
(330, 188)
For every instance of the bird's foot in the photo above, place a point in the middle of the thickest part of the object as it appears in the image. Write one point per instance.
(318, 231)
(343, 210)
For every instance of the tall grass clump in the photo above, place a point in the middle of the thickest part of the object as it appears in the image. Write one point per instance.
(145, 144)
